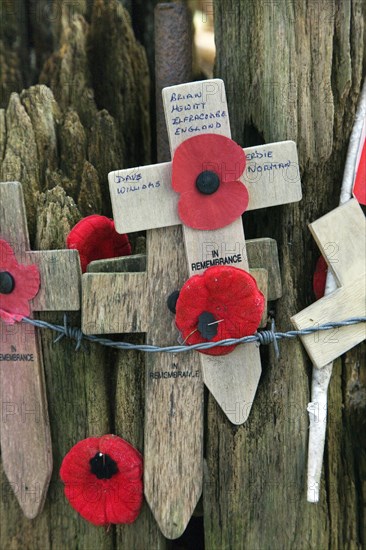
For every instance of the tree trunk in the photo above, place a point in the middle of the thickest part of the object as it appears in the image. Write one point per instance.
(292, 70)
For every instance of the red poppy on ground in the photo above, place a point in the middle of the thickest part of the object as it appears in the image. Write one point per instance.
(223, 302)
(103, 480)
(205, 171)
(320, 277)
(18, 284)
(95, 238)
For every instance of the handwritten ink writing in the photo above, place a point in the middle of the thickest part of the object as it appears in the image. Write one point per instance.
(254, 167)
(192, 129)
(133, 188)
(188, 107)
(179, 97)
(202, 116)
(259, 155)
(128, 177)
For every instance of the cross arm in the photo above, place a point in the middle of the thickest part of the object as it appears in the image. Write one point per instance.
(341, 237)
(142, 198)
(114, 303)
(60, 279)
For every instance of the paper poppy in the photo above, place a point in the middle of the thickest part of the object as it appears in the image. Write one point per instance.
(95, 238)
(223, 302)
(320, 277)
(205, 171)
(18, 284)
(103, 480)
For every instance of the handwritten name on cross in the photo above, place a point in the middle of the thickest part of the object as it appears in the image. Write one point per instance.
(142, 198)
(24, 429)
(341, 237)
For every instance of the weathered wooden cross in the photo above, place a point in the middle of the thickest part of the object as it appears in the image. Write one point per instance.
(341, 237)
(142, 198)
(25, 434)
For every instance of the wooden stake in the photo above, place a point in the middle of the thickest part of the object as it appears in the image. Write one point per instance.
(25, 434)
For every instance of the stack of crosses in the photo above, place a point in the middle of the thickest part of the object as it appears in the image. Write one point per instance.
(25, 433)
(142, 199)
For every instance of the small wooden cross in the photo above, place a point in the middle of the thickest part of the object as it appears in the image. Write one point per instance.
(142, 198)
(341, 237)
(25, 432)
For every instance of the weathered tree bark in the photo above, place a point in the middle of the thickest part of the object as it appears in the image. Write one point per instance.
(60, 141)
(292, 71)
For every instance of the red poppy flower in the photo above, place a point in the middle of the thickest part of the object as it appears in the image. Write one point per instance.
(205, 172)
(96, 239)
(18, 284)
(320, 277)
(103, 480)
(223, 302)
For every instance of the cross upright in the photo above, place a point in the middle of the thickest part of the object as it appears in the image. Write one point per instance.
(25, 432)
(142, 198)
(341, 237)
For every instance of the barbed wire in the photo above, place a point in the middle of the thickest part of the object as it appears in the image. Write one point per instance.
(263, 337)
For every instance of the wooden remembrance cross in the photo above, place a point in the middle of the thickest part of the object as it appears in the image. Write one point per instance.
(25, 434)
(142, 198)
(341, 237)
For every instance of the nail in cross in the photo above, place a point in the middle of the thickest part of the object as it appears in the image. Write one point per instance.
(25, 433)
(142, 198)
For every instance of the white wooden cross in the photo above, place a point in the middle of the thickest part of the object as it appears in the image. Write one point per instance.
(341, 237)
(142, 198)
(25, 434)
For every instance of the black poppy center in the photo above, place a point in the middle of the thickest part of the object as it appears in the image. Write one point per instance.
(103, 466)
(7, 282)
(207, 325)
(172, 301)
(207, 182)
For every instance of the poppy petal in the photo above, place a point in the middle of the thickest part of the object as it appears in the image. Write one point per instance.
(15, 305)
(128, 458)
(89, 500)
(127, 509)
(209, 212)
(95, 238)
(206, 152)
(231, 295)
